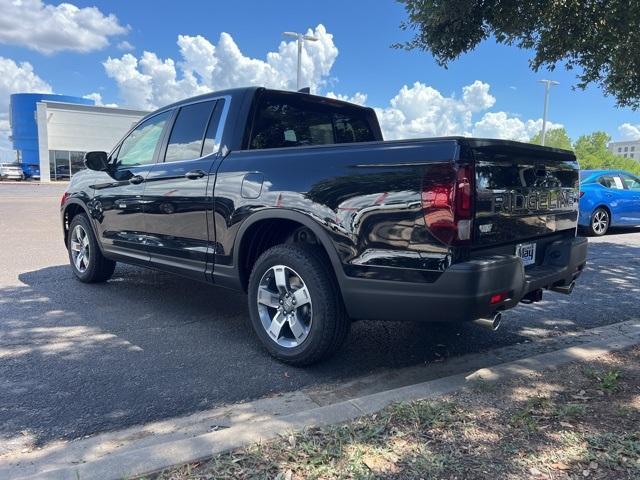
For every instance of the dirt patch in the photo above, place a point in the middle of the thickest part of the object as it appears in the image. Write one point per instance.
(580, 421)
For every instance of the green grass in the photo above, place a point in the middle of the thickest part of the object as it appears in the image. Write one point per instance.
(610, 381)
(570, 410)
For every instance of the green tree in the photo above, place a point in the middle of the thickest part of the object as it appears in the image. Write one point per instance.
(592, 153)
(557, 138)
(600, 39)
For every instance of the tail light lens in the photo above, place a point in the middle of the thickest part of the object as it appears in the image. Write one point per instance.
(581, 193)
(447, 203)
(65, 195)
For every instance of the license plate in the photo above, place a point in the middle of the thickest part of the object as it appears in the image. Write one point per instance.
(527, 252)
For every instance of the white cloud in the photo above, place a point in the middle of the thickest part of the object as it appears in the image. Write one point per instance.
(358, 98)
(124, 45)
(419, 110)
(422, 111)
(477, 97)
(7, 154)
(48, 29)
(501, 125)
(97, 98)
(150, 82)
(629, 131)
(15, 78)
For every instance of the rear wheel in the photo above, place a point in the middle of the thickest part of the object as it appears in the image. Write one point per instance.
(295, 305)
(86, 259)
(600, 221)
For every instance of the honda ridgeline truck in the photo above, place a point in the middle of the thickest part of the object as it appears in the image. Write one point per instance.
(298, 201)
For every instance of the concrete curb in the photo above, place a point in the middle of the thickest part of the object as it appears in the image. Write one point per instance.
(158, 457)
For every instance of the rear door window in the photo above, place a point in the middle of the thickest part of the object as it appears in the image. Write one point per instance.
(213, 137)
(290, 121)
(188, 132)
(611, 181)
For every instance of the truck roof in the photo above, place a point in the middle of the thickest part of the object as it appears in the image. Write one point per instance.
(244, 91)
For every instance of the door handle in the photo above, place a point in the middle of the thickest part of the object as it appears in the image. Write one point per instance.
(136, 179)
(195, 174)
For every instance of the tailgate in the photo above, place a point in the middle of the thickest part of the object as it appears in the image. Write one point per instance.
(522, 191)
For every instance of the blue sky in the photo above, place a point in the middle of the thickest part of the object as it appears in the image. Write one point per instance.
(362, 32)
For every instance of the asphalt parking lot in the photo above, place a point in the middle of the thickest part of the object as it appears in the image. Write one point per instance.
(79, 359)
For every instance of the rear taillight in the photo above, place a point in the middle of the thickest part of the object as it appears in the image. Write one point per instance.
(65, 195)
(581, 193)
(447, 203)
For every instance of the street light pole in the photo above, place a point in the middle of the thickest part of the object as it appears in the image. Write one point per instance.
(547, 88)
(301, 37)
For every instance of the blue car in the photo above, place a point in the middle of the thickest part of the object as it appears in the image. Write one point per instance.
(608, 198)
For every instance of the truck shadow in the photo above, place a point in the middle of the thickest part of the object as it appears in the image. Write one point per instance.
(78, 359)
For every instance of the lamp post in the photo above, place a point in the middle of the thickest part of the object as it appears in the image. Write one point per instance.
(547, 87)
(301, 37)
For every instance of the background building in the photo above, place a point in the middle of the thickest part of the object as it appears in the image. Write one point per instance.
(630, 149)
(51, 133)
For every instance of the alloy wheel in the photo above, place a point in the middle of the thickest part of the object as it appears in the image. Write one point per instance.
(600, 222)
(284, 306)
(79, 245)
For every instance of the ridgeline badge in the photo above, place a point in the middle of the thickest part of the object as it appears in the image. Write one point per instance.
(534, 200)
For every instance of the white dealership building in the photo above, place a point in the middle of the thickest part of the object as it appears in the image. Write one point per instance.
(53, 134)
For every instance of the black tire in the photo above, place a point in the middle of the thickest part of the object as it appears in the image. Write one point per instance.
(330, 324)
(600, 222)
(99, 268)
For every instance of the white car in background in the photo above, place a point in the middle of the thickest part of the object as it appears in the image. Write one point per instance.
(11, 171)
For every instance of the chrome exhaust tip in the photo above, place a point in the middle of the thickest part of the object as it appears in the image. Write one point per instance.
(492, 324)
(566, 289)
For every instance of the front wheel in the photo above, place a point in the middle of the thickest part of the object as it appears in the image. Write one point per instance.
(600, 222)
(86, 259)
(295, 305)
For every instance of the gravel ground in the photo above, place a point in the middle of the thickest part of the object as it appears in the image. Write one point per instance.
(79, 359)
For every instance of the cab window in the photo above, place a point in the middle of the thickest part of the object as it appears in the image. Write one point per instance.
(284, 120)
(139, 147)
(187, 134)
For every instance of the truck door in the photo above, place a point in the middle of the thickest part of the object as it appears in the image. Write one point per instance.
(118, 203)
(179, 191)
(614, 196)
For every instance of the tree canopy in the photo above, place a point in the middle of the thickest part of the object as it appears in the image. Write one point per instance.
(599, 39)
(591, 150)
(557, 138)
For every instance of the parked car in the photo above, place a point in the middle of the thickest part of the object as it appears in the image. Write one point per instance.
(608, 198)
(296, 200)
(11, 171)
(31, 171)
(63, 172)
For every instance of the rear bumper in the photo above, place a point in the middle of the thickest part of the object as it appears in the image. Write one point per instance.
(463, 292)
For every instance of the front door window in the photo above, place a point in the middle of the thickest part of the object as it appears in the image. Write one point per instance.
(140, 146)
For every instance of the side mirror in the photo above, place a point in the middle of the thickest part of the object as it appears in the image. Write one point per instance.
(96, 161)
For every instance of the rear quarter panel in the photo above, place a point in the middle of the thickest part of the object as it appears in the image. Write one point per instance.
(365, 197)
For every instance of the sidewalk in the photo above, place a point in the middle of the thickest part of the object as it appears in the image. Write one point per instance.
(579, 421)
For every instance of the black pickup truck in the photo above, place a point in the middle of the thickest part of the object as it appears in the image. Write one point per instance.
(295, 199)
